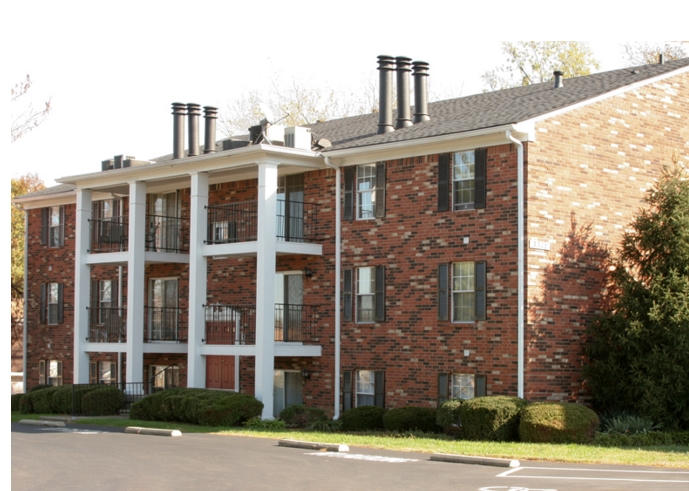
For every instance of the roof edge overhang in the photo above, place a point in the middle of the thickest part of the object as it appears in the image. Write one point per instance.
(453, 142)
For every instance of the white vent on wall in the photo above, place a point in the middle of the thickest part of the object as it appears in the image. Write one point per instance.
(298, 137)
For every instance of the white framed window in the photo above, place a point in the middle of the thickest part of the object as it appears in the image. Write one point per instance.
(163, 311)
(463, 386)
(460, 386)
(366, 191)
(463, 292)
(50, 372)
(56, 226)
(463, 180)
(365, 294)
(107, 372)
(104, 299)
(365, 388)
(53, 303)
(220, 232)
(164, 376)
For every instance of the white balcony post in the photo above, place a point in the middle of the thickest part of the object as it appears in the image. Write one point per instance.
(265, 285)
(136, 278)
(82, 278)
(196, 366)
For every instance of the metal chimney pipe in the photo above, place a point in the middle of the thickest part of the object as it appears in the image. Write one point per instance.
(403, 67)
(385, 65)
(179, 110)
(661, 58)
(558, 79)
(194, 111)
(210, 114)
(420, 91)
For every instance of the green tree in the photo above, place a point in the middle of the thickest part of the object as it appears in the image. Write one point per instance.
(638, 349)
(532, 62)
(27, 183)
(642, 53)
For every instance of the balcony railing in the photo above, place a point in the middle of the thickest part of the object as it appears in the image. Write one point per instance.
(167, 234)
(107, 325)
(238, 222)
(294, 323)
(166, 324)
(109, 234)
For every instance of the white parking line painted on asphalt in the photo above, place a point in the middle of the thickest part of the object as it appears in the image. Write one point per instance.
(512, 488)
(513, 473)
(373, 458)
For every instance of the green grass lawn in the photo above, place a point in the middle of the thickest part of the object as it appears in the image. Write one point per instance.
(658, 456)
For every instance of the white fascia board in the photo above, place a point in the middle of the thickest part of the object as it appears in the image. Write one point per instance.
(44, 200)
(454, 142)
(294, 349)
(607, 95)
(228, 349)
(227, 160)
(166, 347)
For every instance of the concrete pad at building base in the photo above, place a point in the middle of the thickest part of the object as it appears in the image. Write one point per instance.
(152, 431)
(329, 447)
(467, 459)
(37, 422)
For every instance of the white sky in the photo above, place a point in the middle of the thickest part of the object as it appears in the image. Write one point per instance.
(113, 69)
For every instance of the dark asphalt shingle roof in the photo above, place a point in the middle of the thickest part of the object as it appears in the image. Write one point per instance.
(60, 188)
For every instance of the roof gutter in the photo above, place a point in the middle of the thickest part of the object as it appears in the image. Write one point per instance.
(520, 263)
(338, 260)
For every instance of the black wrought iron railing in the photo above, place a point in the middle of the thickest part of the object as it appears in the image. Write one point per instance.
(108, 234)
(166, 324)
(297, 221)
(232, 222)
(130, 392)
(167, 234)
(294, 323)
(230, 324)
(107, 325)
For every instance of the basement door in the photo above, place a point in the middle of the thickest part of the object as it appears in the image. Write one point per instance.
(220, 372)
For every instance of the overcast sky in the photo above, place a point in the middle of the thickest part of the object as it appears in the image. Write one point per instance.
(112, 69)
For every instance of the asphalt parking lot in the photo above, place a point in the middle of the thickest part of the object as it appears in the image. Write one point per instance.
(79, 457)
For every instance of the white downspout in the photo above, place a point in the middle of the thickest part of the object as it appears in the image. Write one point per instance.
(338, 258)
(119, 304)
(25, 325)
(520, 263)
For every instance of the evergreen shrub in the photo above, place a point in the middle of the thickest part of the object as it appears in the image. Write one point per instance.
(491, 418)
(363, 418)
(411, 418)
(557, 422)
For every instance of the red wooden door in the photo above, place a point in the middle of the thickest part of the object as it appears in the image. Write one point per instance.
(220, 372)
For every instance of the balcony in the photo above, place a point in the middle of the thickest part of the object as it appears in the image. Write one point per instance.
(238, 222)
(166, 324)
(163, 234)
(109, 234)
(236, 324)
(108, 325)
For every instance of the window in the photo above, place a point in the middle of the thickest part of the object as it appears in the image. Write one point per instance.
(53, 226)
(365, 191)
(51, 303)
(468, 288)
(162, 311)
(363, 388)
(103, 372)
(462, 180)
(50, 372)
(370, 294)
(164, 376)
(104, 299)
(287, 385)
(460, 386)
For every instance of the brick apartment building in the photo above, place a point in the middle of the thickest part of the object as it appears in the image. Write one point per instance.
(457, 250)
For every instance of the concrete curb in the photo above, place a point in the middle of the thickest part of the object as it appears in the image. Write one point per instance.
(151, 431)
(37, 422)
(466, 459)
(330, 447)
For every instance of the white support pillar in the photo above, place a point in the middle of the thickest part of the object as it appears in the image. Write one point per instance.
(136, 279)
(265, 285)
(82, 291)
(198, 270)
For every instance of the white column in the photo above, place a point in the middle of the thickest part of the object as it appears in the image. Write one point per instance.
(136, 282)
(265, 285)
(82, 290)
(196, 364)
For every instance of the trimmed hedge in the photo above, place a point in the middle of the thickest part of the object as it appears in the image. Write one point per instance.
(653, 438)
(557, 422)
(42, 400)
(103, 401)
(448, 417)
(411, 418)
(363, 418)
(491, 418)
(230, 411)
(15, 401)
(300, 416)
(25, 404)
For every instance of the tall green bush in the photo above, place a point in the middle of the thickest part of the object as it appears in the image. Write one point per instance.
(638, 349)
(301, 416)
(363, 418)
(102, 401)
(557, 422)
(492, 418)
(411, 418)
(448, 416)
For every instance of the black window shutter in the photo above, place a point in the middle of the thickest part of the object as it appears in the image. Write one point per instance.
(93, 373)
(349, 193)
(95, 294)
(480, 386)
(443, 388)
(347, 297)
(444, 182)
(44, 225)
(443, 297)
(379, 389)
(44, 303)
(62, 225)
(42, 372)
(60, 303)
(480, 159)
(380, 293)
(347, 391)
(480, 289)
(114, 294)
(380, 190)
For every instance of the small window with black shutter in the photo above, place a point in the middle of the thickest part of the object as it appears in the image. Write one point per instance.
(462, 180)
(364, 191)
